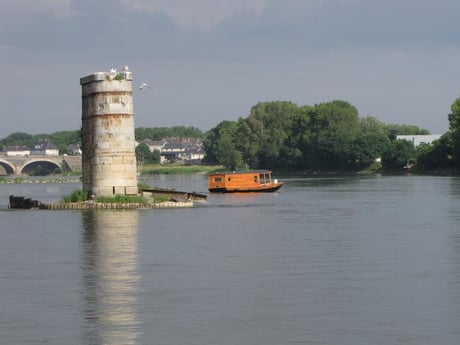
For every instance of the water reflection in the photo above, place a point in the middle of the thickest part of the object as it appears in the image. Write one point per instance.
(110, 277)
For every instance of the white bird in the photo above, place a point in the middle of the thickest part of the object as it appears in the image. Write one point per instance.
(144, 85)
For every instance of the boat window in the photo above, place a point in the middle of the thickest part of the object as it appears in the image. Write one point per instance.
(229, 179)
(261, 177)
(218, 179)
(255, 178)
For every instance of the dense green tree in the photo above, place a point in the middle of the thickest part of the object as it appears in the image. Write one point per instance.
(144, 155)
(437, 155)
(334, 127)
(454, 129)
(269, 126)
(220, 146)
(158, 133)
(371, 142)
(18, 139)
(394, 130)
(398, 154)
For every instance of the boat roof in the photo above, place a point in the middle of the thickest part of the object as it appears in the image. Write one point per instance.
(241, 172)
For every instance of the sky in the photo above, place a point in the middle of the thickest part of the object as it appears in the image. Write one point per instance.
(212, 60)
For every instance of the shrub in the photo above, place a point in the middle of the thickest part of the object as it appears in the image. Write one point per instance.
(76, 196)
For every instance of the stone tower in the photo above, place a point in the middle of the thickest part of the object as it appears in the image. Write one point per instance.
(108, 144)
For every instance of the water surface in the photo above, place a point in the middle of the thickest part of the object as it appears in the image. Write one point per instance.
(323, 261)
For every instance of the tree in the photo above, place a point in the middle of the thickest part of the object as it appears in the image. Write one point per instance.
(398, 154)
(395, 130)
(371, 142)
(143, 154)
(334, 127)
(266, 130)
(454, 129)
(158, 133)
(437, 155)
(220, 146)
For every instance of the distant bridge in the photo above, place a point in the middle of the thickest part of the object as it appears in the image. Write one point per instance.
(17, 165)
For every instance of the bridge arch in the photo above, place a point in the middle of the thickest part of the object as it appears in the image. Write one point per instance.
(8, 167)
(33, 162)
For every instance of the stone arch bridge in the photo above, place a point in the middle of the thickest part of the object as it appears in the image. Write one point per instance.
(15, 165)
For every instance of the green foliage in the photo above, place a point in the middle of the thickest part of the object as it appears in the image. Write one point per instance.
(158, 133)
(122, 199)
(176, 169)
(326, 136)
(370, 143)
(398, 155)
(220, 142)
(144, 155)
(282, 135)
(18, 139)
(61, 139)
(334, 127)
(394, 130)
(76, 196)
(436, 156)
(454, 130)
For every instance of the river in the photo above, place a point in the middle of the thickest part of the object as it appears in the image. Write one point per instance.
(340, 260)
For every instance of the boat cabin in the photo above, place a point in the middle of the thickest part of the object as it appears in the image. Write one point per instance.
(252, 181)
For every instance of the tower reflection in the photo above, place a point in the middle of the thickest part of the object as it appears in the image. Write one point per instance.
(110, 277)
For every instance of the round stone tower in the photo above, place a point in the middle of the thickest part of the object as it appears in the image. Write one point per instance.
(108, 144)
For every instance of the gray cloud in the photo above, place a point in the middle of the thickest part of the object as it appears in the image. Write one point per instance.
(212, 60)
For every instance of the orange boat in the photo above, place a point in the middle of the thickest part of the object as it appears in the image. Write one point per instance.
(238, 182)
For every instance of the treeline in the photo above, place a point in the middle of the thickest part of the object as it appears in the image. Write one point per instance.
(158, 133)
(327, 136)
(282, 135)
(63, 139)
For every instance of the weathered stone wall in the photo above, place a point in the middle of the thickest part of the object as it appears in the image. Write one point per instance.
(108, 143)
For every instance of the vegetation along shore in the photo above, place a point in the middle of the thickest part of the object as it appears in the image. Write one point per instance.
(285, 137)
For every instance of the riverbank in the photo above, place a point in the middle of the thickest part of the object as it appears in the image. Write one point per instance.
(144, 170)
(177, 169)
(42, 179)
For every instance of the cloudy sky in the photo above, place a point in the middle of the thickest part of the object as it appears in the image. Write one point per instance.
(212, 60)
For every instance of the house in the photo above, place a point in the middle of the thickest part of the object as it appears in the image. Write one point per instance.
(154, 144)
(173, 150)
(16, 151)
(75, 149)
(419, 139)
(46, 148)
(194, 155)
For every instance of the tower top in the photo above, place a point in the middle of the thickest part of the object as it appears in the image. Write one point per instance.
(112, 74)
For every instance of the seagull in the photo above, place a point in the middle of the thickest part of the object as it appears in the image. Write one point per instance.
(144, 85)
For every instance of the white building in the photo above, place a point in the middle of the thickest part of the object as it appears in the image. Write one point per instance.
(419, 139)
(17, 151)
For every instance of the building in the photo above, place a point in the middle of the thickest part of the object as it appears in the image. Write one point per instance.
(16, 151)
(154, 145)
(45, 148)
(108, 144)
(75, 149)
(419, 139)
